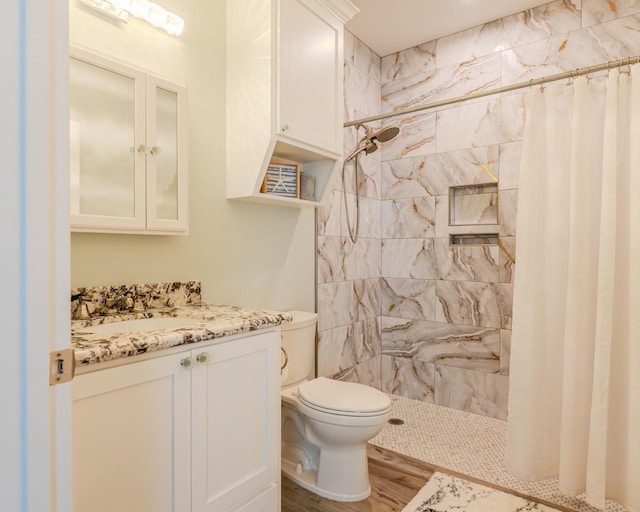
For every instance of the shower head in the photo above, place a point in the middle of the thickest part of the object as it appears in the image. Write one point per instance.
(386, 134)
(369, 143)
(382, 135)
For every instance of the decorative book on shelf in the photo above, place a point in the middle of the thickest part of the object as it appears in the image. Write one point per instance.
(282, 178)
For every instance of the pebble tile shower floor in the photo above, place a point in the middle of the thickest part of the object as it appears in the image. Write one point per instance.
(467, 443)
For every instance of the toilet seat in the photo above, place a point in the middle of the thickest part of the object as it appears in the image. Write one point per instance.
(343, 398)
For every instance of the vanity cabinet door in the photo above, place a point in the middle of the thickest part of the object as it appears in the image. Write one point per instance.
(131, 438)
(268, 501)
(310, 73)
(236, 425)
(106, 143)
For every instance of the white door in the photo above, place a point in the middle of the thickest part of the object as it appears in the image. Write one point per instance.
(34, 256)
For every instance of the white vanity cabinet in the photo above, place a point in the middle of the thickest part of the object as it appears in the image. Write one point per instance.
(196, 430)
(128, 148)
(284, 92)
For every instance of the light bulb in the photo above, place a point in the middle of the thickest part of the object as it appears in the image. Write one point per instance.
(139, 8)
(107, 8)
(121, 4)
(174, 24)
(157, 16)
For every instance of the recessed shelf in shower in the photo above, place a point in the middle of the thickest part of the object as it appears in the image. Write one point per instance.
(473, 204)
(474, 239)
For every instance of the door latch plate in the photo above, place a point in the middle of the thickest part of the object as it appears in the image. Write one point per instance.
(62, 366)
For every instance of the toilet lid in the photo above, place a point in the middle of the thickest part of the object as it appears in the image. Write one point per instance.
(342, 397)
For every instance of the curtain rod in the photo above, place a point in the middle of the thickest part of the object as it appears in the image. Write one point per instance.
(538, 81)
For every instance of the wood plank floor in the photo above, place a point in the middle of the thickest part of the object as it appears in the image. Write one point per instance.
(395, 480)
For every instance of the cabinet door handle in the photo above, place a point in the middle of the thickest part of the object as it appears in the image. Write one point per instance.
(187, 363)
(142, 148)
(155, 150)
(285, 127)
(203, 357)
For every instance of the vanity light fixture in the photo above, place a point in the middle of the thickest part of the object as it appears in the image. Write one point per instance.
(150, 12)
(107, 8)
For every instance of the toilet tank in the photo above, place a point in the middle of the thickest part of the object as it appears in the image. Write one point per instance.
(299, 343)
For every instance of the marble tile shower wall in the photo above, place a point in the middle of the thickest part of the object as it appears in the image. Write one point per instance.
(349, 293)
(402, 309)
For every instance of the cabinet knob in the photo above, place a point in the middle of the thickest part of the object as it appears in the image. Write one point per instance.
(142, 148)
(155, 150)
(187, 363)
(285, 127)
(203, 357)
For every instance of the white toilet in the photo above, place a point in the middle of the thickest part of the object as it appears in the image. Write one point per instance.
(325, 423)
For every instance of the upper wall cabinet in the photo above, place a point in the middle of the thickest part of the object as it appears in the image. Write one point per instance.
(284, 93)
(128, 149)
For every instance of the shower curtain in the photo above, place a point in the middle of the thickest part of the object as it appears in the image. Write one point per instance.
(574, 402)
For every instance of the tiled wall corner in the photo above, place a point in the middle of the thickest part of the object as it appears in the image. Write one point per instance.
(367, 373)
(472, 391)
(348, 273)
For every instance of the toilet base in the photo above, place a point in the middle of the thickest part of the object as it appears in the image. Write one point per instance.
(307, 479)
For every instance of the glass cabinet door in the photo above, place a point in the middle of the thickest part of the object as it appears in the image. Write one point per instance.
(106, 144)
(166, 158)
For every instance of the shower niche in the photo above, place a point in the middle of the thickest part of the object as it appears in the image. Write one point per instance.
(474, 214)
(473, 204)
(284, 93)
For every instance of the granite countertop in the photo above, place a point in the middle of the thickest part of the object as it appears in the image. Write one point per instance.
(217, 321)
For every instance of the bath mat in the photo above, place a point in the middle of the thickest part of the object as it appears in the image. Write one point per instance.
(448, 493)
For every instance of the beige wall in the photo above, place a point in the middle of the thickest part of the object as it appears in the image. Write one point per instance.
(245, 254)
